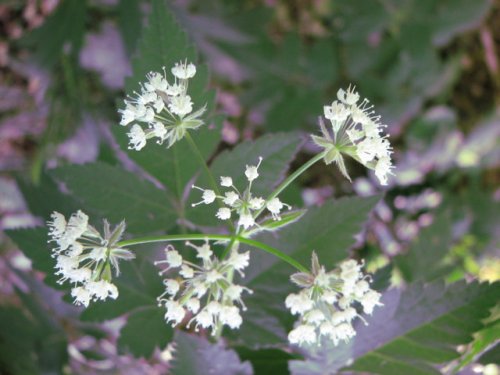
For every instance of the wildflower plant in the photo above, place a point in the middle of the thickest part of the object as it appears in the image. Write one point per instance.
(228, 237)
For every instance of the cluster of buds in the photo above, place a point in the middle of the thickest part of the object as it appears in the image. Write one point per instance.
(165, 108)
(325, 304)
(355, 131)
(246, 206)
(85, 258)
(206, 291)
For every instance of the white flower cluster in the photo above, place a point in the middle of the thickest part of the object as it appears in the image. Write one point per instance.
(357, 131)
(84, 257)
(325, 303)
(246, 205)
(206, 291)
(165, 108)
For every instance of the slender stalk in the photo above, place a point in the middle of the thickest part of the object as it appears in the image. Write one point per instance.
(210, 177)
(203, 163)
(290, 179)
(218, 237)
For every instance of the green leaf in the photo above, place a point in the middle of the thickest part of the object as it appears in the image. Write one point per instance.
(62, 30)
(267, 361)
(484, 340)
(415, 330)
(33, 243)
(145, 330)
(329, 230)
(424, 259)
(45, 197)
(195, 355)
(129, 22)
(116, 194)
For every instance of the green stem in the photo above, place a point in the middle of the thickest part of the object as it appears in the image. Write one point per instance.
(290, 179)
(218, 237)
(210, 177)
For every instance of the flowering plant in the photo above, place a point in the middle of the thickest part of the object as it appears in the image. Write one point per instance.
(184, 237)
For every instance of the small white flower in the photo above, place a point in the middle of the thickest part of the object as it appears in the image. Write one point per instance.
(172, 286)
(230, 315)
(226, 181)
(350, 97)
(137, 138)
(223, 213)
(256, 203)
(214, 308)
(184, 70)
(186, 272)
(239, 261)
(230, 198)
(159, 130)
(156, 82)
(175, 312)
(303, 334)
(234, 292)
(174, 259)
(275, 206)
(298, 303)
(336, 112)
(252, 172)
(246, 220)
(159, 104)
(204, 252)
(370, 300)
(383, 169)
(57, 225)
(81, 296)
(193, 305)
(207, 197)
(213, 276)
(180, 105)
(174, 90)
(204, 319)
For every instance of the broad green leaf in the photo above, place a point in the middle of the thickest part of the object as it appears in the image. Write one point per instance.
(484, 340)
(33, 243)
(416, 329)
(456, 17)
(195, 355)
(62, 31)
(129, 22)
(45, 197)
(424, 259)
(118, 195)
(329, 230)
(138, 286)
(145, 330)
(267, 361)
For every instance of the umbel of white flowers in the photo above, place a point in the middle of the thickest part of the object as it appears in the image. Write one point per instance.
(204, 291)
(85, 258)
(325, 302)
(163, 109)
(354, 130)
(244, 204)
